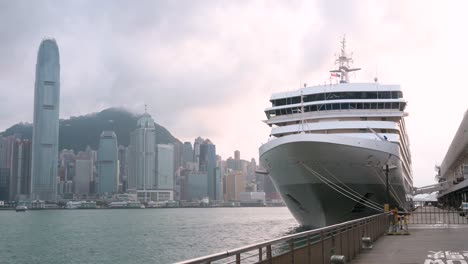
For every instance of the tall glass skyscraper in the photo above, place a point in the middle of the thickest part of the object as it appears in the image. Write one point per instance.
(142, 163)
(108, 163)
(46, 122)
(208, 164)
(165, 166)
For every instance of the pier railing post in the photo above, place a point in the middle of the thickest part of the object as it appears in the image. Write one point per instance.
(323, 246)
(260, 254)
(269, 255)
(291, 250)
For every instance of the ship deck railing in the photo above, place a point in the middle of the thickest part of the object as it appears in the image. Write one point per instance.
(314, 246)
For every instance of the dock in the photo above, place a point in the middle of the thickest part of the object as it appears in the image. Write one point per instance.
(427, 244)
(431, 234)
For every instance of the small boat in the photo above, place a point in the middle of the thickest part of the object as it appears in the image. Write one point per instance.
(21, 208)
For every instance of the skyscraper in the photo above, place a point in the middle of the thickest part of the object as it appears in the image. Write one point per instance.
(123, 167)
(142, 163)
(187, 155)
(207, 160)
(165, 167)
(46, 122)
(21, 170)
(83, 175)
(108, 163)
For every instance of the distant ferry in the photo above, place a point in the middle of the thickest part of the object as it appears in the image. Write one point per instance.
(332, 145)
(80, 205)
(21, 208)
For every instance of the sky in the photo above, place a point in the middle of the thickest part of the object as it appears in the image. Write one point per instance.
(208, 68)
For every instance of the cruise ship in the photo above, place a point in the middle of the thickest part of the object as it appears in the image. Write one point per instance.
(339, 151)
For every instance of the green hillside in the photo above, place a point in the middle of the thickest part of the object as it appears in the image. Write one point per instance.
(78, 132)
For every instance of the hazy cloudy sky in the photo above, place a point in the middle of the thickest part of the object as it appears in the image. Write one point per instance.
(208, 68)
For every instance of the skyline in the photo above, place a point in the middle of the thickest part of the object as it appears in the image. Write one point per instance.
(210, 69)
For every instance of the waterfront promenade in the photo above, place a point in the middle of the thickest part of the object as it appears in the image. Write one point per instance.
(442, 238)
(437, 244)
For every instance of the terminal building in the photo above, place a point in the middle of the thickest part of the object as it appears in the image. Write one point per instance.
(453, 171)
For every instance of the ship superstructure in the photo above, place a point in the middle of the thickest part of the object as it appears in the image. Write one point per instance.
(331, 146)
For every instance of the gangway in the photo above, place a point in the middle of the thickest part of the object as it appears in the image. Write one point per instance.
(430, 188)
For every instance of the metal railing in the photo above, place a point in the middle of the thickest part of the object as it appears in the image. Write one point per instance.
(314, 246)
(435, 214)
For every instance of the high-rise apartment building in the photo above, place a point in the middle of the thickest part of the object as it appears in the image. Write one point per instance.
(46, 122)
(108, 163)
(235, 184)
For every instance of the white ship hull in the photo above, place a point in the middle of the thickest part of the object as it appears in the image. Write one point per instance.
(350, 162)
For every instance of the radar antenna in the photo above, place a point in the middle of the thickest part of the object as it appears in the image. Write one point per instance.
(343, 61)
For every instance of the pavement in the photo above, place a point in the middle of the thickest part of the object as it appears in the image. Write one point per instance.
(438, 243)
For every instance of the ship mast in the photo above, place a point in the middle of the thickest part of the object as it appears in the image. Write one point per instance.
(343, 61)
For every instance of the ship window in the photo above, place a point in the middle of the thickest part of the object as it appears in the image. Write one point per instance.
(350, 95)
(333, 96)
(384, 95)
(344, 106)
(402, 106)
(296, 100)
(395, 106)
(380, 105)
(49, 83)
(366, 106)
(314, 108)
(372, 95)
(387, 105)
(373, 105)
(352, 106)
(359, 106)
(395, 94)
(336, 106)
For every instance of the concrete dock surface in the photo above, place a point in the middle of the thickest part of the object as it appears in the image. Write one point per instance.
(426, 244)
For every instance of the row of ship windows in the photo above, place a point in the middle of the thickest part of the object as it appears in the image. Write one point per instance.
(341, 106)
(338, 96)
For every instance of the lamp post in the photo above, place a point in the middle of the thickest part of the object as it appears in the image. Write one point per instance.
(386, 185)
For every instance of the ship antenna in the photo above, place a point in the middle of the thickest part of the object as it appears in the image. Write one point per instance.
(343, 61)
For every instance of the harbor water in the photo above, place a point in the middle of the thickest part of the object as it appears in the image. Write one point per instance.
(135, 235)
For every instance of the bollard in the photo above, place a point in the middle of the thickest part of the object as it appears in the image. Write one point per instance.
(337, 259)
(366, 243)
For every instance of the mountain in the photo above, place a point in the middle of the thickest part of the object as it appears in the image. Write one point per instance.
(78, 132)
